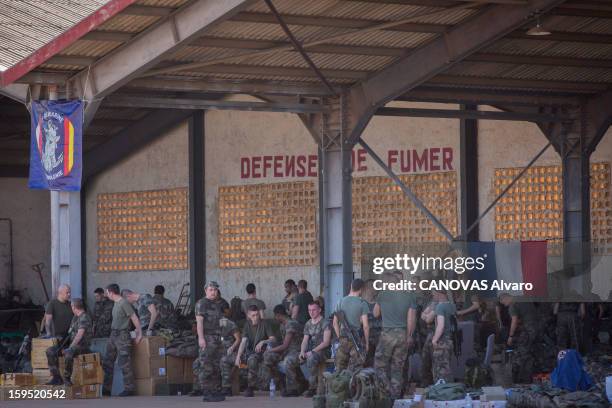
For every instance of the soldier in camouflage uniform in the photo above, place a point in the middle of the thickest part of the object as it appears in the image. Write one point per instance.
(315, 348)
(398, 311)
(257, 335)
(165, 308)
(103, 314)
(568, 324)
(209, 312)
(146, 308)
(441, 341)
(80, 333)
(356, 311)
(288, 352)
(524, 334)
(427, 348)
(119, 346)
(230, 335)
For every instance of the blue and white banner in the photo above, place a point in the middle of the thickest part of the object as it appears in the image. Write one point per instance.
(56, 145)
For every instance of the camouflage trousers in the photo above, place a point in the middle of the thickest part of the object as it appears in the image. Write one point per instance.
(373, 342)
(69, 354)
(523, 355)
(119, 347)
(567, 330)
(209, 358)
(441, 358)
(347, 356)
(313, 362)
(426, 363)
(227, 366)
(390, 359)
(253, 361)
(292, 368)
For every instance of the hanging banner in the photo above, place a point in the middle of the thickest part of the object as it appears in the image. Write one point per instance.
(55, 147)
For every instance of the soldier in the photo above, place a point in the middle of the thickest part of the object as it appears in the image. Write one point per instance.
(568, 327)
(257, 335)
(58, 313)
(398, 311)
(103, 314)
(230, 335)
(291, 293)
(146, 308)
(315, 348)
(119, 346)
(369, 295)
(355, 311)
(80, 333)
(522, 337)
(252, 299)
(299, 307)
(441, 341)
(165, 308)
(288, 352)
(427, 316)
(209, 312)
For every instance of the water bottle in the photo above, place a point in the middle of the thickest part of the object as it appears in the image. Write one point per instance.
(468, 401)
(272, 389)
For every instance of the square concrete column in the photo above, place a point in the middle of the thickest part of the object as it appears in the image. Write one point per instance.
(66, 241)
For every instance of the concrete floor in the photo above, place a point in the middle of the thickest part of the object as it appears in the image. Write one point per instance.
(261, 400)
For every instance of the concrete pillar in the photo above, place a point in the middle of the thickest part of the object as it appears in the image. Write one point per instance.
(469, 174)
(197, 216)
(576, 206)
(65, 237)
(335, 220)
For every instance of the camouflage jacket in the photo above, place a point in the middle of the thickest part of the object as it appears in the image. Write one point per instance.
(228, 329)
(103, 317)
(81, 322)
(142, 309)
(292, 326)
(212, 312)
(165, 310)
(315, 331)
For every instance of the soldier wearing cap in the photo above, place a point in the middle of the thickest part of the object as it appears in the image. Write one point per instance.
(209, 311)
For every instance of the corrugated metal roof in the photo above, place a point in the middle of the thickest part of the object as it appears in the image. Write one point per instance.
(27, 25)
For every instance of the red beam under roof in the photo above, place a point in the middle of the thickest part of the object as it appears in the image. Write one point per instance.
(63, 40)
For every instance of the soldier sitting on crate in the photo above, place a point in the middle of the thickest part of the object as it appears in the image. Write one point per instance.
(77, 340)
(146, 308)
(58, 314)
(315, 347)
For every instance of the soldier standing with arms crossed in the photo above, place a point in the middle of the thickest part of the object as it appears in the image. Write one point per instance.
(120, 342)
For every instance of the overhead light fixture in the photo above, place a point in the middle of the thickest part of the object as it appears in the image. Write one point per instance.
(538, 30)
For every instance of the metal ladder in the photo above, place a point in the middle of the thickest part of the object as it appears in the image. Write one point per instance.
(183, 304)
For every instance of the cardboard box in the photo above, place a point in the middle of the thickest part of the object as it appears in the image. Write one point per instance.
(41, 375)
(150, 347)
(87, 370)
(174, 370)
(89, 391)
(151, 368)
(18, 379)
(39, 351)
(188, 370)
(150, 386)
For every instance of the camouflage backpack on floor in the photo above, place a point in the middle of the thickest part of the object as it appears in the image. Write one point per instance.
(368, 391)
(337, 390)
(477, 374)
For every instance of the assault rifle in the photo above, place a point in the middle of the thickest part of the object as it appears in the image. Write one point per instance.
(353, 337)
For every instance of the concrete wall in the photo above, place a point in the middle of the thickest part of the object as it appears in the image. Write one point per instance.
(30, 212)
(161, 165)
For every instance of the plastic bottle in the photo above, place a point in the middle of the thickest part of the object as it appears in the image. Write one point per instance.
(272, 389)
(468, 402)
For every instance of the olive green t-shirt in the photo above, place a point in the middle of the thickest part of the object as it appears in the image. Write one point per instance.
(525, 311)
(246, 303)
(122, 311)
(446, 309)
(62, 316)
(394, 307)
(255, 334)
(302, 300)
(354, 307)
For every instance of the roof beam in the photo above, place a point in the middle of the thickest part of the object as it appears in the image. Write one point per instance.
(435, 57)
(468, 114)
(80, 60)
(229, 87)
(150, 11)
(517, 84)
(565, 36)
(201, 104)
(598, 120)
(145, 50)
(279, 71)
(17, 92)
(132, 138)
(578, 10)
(540, 60)
(480, 97)
(113, 36)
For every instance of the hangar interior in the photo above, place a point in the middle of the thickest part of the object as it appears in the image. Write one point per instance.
(214, 112)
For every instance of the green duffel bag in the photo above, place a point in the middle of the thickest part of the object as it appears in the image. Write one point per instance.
(445, 392)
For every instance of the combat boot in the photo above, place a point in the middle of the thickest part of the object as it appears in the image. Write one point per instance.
(249, 392)
(56, 380)
(213, 397)
(195, 393)
(227, 392)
